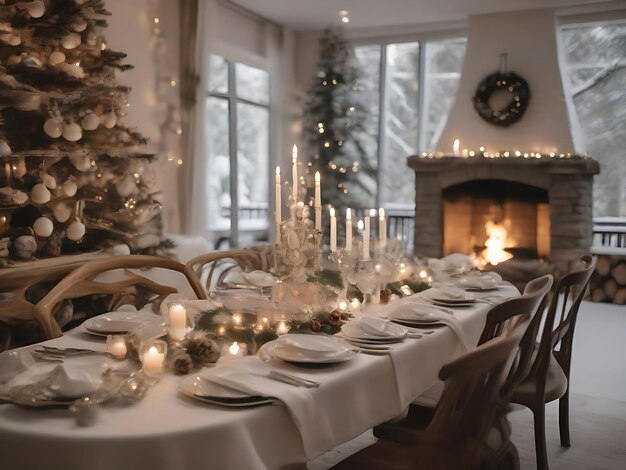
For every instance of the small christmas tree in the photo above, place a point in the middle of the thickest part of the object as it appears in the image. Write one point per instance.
(334, 116)
(72, 176)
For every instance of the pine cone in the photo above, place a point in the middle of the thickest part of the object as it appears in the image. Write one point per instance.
(315, 326)
(385, 295)
(132, 347)
(201, 349)
(180, 362)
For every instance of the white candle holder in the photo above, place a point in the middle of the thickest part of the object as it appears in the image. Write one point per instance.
(116, 346)
(152, 355)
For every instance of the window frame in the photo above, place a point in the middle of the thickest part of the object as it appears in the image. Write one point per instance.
(233, 100)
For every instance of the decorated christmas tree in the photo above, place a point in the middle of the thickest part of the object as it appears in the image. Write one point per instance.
(334, 117)
(73, 178)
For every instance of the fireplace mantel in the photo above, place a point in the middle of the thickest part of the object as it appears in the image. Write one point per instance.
(568, 180)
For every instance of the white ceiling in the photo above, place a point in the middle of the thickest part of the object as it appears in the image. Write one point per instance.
(304, 15)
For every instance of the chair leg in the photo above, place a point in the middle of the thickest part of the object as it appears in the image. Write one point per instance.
(564, 419)
(539, 415)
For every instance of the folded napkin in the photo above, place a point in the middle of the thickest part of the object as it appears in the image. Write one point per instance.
(446, 291)
(454, 263)
(254, 278)
(250, 375)
(13, 363)
(371, 325)
(480, 280)
(67, 381)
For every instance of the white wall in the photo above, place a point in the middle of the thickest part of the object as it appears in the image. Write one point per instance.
(529, 39)
(129, 31)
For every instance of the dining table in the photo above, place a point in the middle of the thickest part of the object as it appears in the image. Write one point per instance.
(169, 430)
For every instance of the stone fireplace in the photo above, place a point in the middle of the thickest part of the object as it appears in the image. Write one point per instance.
(543, 203)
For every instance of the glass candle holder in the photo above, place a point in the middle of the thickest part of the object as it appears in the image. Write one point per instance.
(153, 357)
(116, 346)
(179, 321)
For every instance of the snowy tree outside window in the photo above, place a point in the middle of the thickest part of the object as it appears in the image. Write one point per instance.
(412, 97)
(595, 64)
(237, 117)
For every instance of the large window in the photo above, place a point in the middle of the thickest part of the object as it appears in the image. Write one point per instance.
(595, 64)
(408, 90)
(237, 117)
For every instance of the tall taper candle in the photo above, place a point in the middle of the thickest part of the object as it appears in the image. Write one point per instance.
(333, 230)
(278, 203)
(294, 174)
(382, 228)
(318, 202)
(348, 229)
(366, 237)
(455, 147)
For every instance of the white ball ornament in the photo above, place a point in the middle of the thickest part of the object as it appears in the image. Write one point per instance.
(90, 121)
(81, 162)
(71, 41)
(56, 58)
(19, 197)
(53, 127)
(43, 227)
(80, 26)
(36, 9)
(109, 119)
(92, 39)
(5, 150)
(126, 186)
(49, 181)
(40, 194)
(72, 131)
(75, 231)
(62, 213)
(69, 188)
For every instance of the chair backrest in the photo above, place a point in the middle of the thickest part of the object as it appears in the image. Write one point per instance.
(558, 333)
(211, 268)
(473, 398)
(79, 283)
(501, 317)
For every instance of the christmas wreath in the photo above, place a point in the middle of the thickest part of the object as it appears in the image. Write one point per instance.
(513, 111)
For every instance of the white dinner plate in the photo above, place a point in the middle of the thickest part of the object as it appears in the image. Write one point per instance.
(309, 349)
(118, 323)
(203, 390)
(374, 329)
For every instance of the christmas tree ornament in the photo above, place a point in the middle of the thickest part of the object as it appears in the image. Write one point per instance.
(79, 26)
(109, 119)
(56, 58)
(69, 188)
(75, 231)
(30, 61)
(92, 38)
(15, 40)
(19, 197)
(25, 246)
(49, 181)
(40, 194)
(62, 212)
(53, 127)
(73, 70)
(36, 9)
(43, 227)
(72, 131)
(80, 162)
(5, 150)
(126, 186)
(71, 41)
(90, 121)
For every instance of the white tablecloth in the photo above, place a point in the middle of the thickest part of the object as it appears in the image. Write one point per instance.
(167, 431)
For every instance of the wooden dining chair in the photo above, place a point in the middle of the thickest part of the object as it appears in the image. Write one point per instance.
(81, 282)
(549, 372)
(471, 404)
(211, 268)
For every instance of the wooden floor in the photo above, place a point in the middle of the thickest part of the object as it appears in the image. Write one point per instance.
(598, 407)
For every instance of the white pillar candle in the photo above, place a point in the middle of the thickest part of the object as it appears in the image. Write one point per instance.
(282, 328)
(294, 173)
(348, 229)
(152, 361)
(382, 228)
(318, 202)
(278, 204)
(366, 237)
(177, 321)
(455, 147)
(333, 230)
(236, 349)
(116, 346)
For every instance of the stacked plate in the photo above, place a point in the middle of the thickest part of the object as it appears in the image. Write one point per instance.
(477, 281)
(117, 323)
(416, 314)
(308, 349)
(451, 296)
(204, 390)
(372, 333)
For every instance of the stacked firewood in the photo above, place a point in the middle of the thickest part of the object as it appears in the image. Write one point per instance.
(608, 283)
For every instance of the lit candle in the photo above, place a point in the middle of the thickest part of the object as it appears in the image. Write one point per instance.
(294, 173)
(382, 228)
(116, 346)
(342, 306)
(278, 204)
(281, 328)
(455, 147)
(152, 361)
(318, 202)
(366, 237)
(355, 306)
(333, 230)
(177, 321)
(348, 229)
